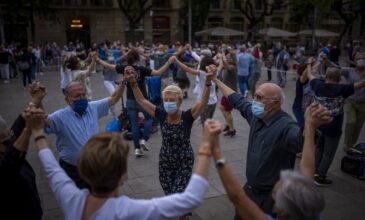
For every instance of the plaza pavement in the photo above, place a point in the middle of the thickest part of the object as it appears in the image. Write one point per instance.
(345, 199)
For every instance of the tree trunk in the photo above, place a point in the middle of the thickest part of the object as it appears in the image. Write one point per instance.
(131, 33)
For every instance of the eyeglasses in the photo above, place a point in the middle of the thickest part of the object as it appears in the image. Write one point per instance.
(260, 98)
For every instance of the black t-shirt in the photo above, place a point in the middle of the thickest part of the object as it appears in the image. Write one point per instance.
(332, 96)
(5, 57)
(141, 74)
(186, 118)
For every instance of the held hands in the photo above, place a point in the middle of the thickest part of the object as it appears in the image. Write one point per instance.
(317, 115)
(311, 61)
(37, 91)
(212, 130)
(172, 59)
(35, 118)
(211, 72)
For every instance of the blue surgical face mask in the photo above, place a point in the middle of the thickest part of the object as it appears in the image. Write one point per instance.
(80, 106)
(258, 109)
(170, 107)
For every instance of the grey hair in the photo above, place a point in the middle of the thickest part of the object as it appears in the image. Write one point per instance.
(70, 85)
(173, 89)
(298, 197)
(281, 97)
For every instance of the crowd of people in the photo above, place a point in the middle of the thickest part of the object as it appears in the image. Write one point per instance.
(88, 179)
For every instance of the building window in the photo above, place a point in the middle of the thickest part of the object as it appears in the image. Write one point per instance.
(215, 22)
(96, 2)
(56, 2)
(237, 4)
(71, 2)
(277, 23)
(258, 4)
(216, 4)
(108, 2)
(161, 3)
(237, 23)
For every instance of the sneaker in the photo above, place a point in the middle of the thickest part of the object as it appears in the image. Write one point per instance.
(144, 145)
(321, 180)
(138, 152)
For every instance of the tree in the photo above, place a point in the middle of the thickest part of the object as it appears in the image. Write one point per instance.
(255, 17)
(134, 11)
(356, 7)
(200, 12)
(26, 10)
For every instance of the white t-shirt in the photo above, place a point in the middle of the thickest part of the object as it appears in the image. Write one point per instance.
(83, 77)
(200, 89)
(72, 200)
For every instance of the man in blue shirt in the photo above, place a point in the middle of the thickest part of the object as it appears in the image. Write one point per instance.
(76, 123)
(282, 65)
(244, 64)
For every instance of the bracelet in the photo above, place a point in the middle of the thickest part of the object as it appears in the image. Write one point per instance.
(39, 137)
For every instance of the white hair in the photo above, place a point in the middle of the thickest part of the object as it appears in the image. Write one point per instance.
(173, 89)
(298, 197)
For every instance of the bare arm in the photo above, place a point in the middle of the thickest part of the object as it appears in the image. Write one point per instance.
(142, 101)
(186, 68)
(22, 143)
(163, 68)
(199, 107)
(114, 98)
(247, 209)
(315, 116)
(310, 75)
(224, 89)
(105, 64)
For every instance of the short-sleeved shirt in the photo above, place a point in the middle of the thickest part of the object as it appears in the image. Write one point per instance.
(244, 63)
(332, 96)
(141, 74)
(212, 95)
(73, 131)
(186, 118)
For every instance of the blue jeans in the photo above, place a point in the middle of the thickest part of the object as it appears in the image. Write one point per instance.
(243, 83)
(133, 109)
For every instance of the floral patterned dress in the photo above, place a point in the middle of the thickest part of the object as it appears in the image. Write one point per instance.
(176, 157)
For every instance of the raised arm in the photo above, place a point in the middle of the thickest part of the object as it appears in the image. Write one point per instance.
(163, 68)
(186, 68)
(199, 107)
(315, 116)
(105, 64)
(114, 98)
(91, 66)
(224, 89)
(247, 209)
(142, 101)
(309, 73)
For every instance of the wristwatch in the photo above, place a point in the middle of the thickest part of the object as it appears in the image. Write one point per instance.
(219, 164)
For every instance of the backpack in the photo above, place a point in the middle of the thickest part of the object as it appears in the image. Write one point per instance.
(354, 161)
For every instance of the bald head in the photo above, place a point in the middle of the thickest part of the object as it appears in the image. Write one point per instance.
(271, 91)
